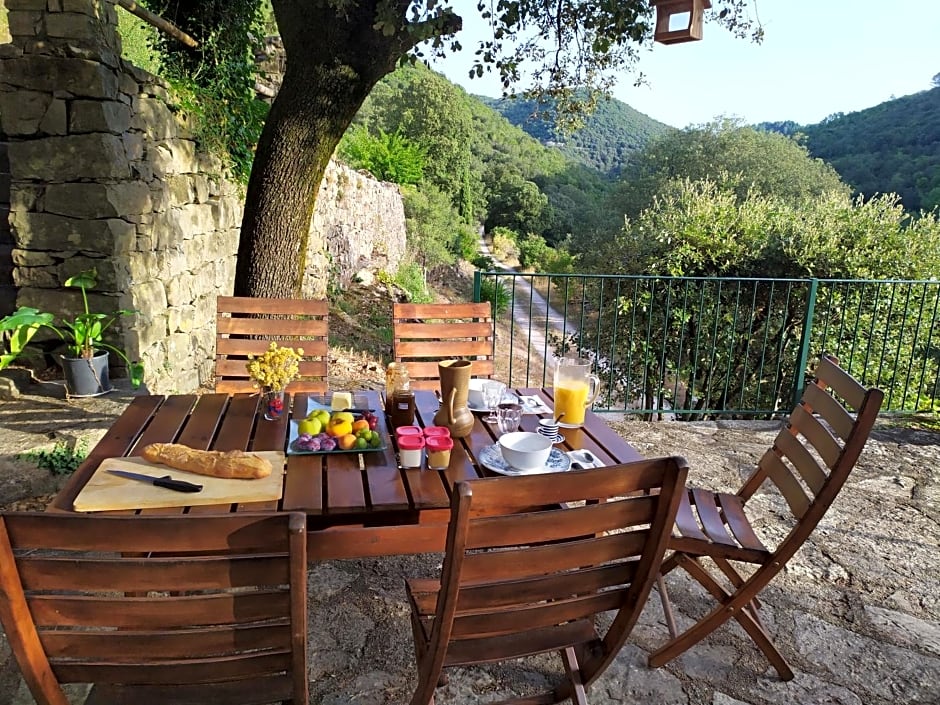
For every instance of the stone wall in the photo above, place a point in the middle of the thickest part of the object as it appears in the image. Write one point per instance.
(105, 173)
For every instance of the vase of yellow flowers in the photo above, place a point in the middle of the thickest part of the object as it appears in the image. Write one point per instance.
(272, 371)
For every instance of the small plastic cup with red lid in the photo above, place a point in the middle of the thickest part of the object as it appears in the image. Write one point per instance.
(439, 448)
(411, 450)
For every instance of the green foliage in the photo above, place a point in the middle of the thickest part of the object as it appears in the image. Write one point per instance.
(496, 293)
(536, 255)
(389, 157)
(17, 329)
(410, 277)
(137, 38)
(893, 147)
(504, 243)
(430, 220)
(608, 139)
(62, 459)
(748, 161)
(85, 332)
(217, 80)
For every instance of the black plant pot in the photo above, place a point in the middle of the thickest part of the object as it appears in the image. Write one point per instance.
(86, 377)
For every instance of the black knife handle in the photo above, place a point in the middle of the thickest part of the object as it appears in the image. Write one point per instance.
(178, 485)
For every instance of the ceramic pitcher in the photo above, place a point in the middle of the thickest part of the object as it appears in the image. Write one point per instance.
(575, 390)
(455, 383)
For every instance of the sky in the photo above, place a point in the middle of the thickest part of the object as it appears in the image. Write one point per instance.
(818, 57)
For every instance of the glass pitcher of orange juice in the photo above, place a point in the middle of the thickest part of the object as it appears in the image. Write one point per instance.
(575, 390)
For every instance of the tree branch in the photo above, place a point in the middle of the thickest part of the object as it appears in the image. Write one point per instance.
(163, 25)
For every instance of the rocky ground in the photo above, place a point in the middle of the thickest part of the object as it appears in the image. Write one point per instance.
(857, 611)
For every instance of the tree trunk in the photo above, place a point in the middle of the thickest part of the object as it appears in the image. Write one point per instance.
(334, 58)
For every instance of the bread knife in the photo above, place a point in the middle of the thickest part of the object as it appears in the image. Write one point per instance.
(165, 481)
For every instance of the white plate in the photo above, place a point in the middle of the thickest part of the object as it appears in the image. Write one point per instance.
(492, 459)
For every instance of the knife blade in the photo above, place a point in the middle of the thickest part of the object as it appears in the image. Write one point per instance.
(165, 481)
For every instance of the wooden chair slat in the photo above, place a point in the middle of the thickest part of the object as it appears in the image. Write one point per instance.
(841, 382)
(808, 467)
(270, 687)
(119, 646)
(243, 334)
(706, 504)
(147, 613)
(732, 509)
(469, 651)
(206, 670)
(445, 331)
(790, 448)
(547, 587)
(506, 564)
(685, 519)
(443, 349)
(443, 310)
(553, 525)
(274, 306)
(819, 402)
(814, 432)
(131, 575)
(786, 483)
(548, 614)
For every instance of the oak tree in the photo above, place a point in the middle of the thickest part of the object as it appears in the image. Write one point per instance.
(337, 50)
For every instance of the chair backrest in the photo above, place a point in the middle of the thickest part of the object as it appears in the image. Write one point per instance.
(425, 334)
(815, 451)
(182, 609)
(246, 326)
(531, 560)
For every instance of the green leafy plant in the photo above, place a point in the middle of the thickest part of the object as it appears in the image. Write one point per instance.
(17, 329)
(497, 294)
(84, 333)
(61, 459)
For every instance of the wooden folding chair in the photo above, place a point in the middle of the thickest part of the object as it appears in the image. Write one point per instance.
(246, 326)
(526, 572)
(157, 609)
(807, 465)
(425, 334)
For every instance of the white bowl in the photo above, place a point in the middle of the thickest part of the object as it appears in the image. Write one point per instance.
(475, 392)
(524, 450)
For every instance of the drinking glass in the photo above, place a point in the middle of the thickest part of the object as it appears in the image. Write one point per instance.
(492, 393)
(510, 417)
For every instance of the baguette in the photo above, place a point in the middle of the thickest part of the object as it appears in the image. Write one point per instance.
(233, 464)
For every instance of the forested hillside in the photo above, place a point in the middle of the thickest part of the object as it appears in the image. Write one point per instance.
(472, 160)
(606, 142)
(893, 147)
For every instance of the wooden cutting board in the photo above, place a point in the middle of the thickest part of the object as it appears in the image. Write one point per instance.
(105, 491)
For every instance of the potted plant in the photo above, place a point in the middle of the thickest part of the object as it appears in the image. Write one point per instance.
(85, 363)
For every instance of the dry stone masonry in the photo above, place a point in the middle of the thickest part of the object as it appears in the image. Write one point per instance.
(100, 169)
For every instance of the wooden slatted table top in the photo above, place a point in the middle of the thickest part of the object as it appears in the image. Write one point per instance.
(336, 490)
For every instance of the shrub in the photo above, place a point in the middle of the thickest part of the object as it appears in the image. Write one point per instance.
(496, 293)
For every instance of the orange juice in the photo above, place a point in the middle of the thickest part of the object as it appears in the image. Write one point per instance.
(571, 400)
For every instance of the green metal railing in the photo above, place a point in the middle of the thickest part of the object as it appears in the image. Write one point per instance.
(705, 347)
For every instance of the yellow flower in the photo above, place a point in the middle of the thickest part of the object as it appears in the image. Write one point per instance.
(276, 367)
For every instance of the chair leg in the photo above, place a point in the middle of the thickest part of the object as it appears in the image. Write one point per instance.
(715, 619)
(667, 606)
(573, 672)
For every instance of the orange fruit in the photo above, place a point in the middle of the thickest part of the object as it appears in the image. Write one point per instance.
(347, 442)
(360, 425)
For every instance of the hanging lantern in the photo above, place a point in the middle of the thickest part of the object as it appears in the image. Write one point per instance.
(679, 20)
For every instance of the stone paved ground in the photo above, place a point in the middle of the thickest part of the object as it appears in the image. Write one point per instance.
(857, 612)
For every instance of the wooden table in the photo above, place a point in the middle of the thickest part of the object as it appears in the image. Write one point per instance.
(357, 504)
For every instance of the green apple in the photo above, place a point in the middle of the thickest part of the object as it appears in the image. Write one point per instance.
(311, 426)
